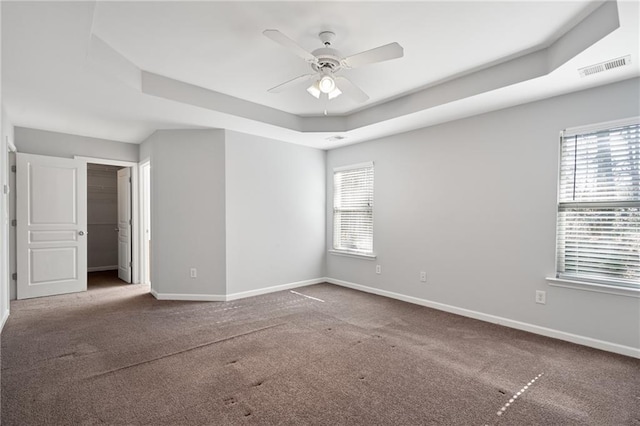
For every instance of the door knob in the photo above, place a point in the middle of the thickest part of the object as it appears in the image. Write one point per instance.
(81, 233)
(117, 229)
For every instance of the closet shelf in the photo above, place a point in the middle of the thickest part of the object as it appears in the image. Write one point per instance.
(102, 188)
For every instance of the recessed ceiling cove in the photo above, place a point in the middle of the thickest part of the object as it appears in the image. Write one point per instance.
(220, 46)
(120, 70)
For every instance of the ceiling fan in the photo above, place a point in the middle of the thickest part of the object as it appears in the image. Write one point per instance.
(327, 61)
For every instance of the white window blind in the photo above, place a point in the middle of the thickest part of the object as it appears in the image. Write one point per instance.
(599, 206)
(353, 208)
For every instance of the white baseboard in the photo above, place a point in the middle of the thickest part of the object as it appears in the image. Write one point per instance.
(272, 289)
(5, 317)
(189, 297)
(102, 268)
(544, 331)
(234, 296)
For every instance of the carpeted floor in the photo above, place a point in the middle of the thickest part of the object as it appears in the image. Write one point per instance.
(115, 355)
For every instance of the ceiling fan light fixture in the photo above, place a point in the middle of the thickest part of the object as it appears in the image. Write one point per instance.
(334, 93)
(327, 84)
(314, 90)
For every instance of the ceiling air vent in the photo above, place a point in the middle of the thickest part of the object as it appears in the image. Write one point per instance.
(605, 66)
(336, 138)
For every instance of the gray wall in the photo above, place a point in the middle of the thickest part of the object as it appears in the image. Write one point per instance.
(42, 142)
(275, 198)
(145, 149)
(187, 211)
(473, 203)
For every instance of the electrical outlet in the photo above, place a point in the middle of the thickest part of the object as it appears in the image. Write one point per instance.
(541, 297)
(378, 269)
(193, 273)
(423, 277)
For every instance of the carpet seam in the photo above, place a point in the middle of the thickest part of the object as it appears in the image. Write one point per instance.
(115, 370)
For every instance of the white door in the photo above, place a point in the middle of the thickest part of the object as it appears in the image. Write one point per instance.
(51, 203)
(124, 224)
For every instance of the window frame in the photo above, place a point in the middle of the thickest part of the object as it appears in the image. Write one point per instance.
(344, 251)
(576, 280)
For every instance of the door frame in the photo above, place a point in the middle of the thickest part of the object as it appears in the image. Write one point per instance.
(145, 256)
(8, 209)
(136, 241)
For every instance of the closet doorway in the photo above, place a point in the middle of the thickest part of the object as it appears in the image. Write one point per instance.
(109, 219)
(119, 224)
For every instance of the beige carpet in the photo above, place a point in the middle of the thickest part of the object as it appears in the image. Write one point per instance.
(115, 355)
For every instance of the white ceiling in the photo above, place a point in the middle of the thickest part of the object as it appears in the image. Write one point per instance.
(55, 78)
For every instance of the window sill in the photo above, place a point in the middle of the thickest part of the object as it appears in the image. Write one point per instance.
(352, 254)
(598, 288)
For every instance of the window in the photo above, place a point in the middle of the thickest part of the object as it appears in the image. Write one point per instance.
(353, 209)
(598, 234)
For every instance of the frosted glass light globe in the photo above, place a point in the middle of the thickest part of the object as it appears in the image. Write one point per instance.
(327, 84)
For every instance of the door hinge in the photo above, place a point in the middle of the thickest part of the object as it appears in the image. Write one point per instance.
(130, 265)
(13, 168)
(14, 276)
(14, 222)
(129, 221)
(129, 180)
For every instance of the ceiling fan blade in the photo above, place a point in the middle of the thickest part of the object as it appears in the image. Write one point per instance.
(379, 54)
(285, 41)
(351, 90)
(292, 83)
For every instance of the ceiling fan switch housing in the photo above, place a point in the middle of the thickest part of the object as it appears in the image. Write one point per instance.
(327, 37)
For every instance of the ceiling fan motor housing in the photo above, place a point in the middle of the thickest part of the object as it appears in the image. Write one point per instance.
(328, 59)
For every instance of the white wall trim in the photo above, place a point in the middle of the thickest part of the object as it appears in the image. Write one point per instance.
(544, 331)
(105, 161)
(235, 296)
(4, 319)
(189, 297)
(272, 289)
(10, 146)
(601, 126)
(595, 287)
(144, 255)
(102, 268)
(352, 254)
